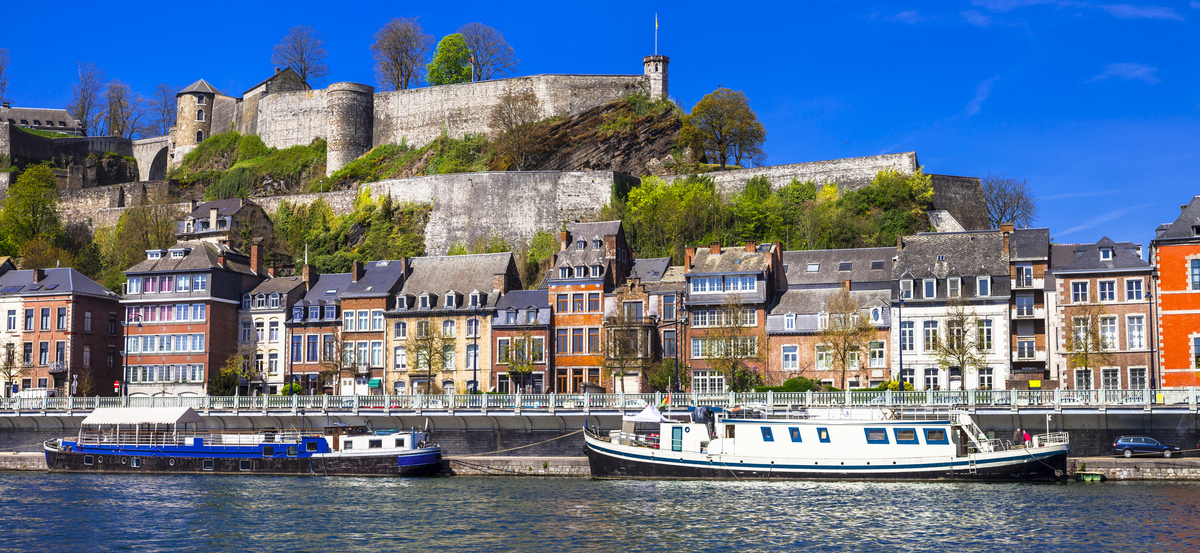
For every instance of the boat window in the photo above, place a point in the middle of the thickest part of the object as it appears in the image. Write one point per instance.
(729, 430)
(293, 451)
(207, 464)
(795, 433)
(244, 465)
(767, 436)
(135, 462)
(347, 444)
(906, 436)
(823, 435)
(935, 436)
(399, 442)
(88, 459)
(876, 435)
(268, 451)
(311, 446)
(374, 444)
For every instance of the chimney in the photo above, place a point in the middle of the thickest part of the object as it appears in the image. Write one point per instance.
(271, 272)
(750, 246)
(847, 284)
(221, 260)
(500, 282)
(689, 253)
(277, 70)
(1182, 208)
(6, 105)
(714, 248)
(256, 261)
(564, 240)
(899, 241)
(39, 275)
(356, 270)
(242, 202)
(1006, 226)
(212, 218)
(193, 204)
(309, 276)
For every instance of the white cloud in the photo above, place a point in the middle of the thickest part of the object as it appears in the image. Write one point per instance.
(981, 93)
(1127, 11)
(1009, 5)
(910, 16)
(977, 19)
(1195, 5)
(1129, 71)
(1100, 219)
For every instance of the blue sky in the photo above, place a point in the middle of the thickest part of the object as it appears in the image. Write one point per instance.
(1096, 104)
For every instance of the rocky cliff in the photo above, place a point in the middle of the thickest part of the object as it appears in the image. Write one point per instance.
(627, 136)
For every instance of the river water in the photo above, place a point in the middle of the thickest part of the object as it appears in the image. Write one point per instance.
(60, 512)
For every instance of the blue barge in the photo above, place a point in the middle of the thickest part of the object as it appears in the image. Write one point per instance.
(172, 440)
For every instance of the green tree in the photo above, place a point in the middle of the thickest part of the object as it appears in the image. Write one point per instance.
(723, 126)
(30, 210)
(451, 63)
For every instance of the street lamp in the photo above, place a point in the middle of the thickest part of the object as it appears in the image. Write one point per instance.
(125, 367)
(1153, 323)
(475, 355)
(900, 321)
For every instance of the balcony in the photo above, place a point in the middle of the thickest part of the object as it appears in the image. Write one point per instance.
(1029, 353)
(1028, 312)
(1028, 283)
(363, 369)
(58, 367)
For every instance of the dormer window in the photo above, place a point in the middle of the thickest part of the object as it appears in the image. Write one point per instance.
(331, 312)
(595, 270)
(983, 286)
(475, 299)
(425, 301)
(298, 313)
(941, 257)
(581, 244)
(822, 321)
(511, 318)
(401, 303)
(154, 255)
(954, 287)
(275, 300)
(450, 300)
(246, 301)
(581, 271)
(906, 287)
(1106, 254)
(876, 316)
(531, 316)
(930, 288)
(260, 301)
(597, 244)
(789, 322)
(314, 312)
(564, 272)
(177, 254)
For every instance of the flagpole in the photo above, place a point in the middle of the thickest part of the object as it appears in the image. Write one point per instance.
(656, 33)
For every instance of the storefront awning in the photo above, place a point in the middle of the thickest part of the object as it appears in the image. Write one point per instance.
(375, 383)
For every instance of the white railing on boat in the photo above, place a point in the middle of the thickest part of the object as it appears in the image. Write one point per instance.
(769, 402)
(163, 438)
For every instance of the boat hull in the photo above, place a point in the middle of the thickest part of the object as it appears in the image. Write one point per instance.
(608, 461)
(416, 464)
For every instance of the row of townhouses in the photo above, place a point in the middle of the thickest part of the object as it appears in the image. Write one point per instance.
(992, 309)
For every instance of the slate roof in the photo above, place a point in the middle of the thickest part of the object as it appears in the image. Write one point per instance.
(522, 299)
(203, 256)
(832, 269)
(276, 75)
(225, 208)
(281, 285)
(650, 270)
(56, 282)
(731, 260)
(337, 282)
(50, 117)
(674, 279)
(965, 253)
(459, 273)
(1183, 227)
(1029, 244)
(380, 279)
(587, 232)
(807, 304)
(201, 86)
(1072, 258)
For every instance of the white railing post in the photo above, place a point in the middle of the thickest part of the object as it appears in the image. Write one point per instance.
(517, 403)
(621, 402)
(770, 401)
(847, 401)
(808, 398)
(553, 400)
(587, 403)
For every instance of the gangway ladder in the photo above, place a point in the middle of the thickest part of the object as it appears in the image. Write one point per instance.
(975, 435)
(971, 468)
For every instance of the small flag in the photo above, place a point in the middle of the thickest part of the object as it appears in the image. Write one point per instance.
(655, 21)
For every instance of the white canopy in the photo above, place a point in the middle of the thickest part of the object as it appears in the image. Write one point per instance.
(141, 415)
(649, 414)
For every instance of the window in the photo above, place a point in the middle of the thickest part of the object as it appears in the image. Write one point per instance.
(708, 382)
(1110, 379)
(594, 302)
(633, 310)
(936, 436)
(377, 319)
(27, 353)
(564, 272)
(363, 320)
(577, 340)
(561, 303)
(954, 287)
(984, 343)
(472, 327)
(60, 352)
(906, 436)
(331, 312)
(199, 283)
(878, 356)
(766, 434)
(1079, 292)
(275, 301)
(580, 244)
(450, 297)
(376, 354)
(44, 353)
(930, 288)
(906, 288)
(448, 357)
(983, 286)
(112, 323)
(245, 331)
(502, 350)
(593, 337)
(705, 285)
(311, 349)
(363, 352)
(1137, 378)
(562, 341)
(822, 321)
(1026, 348)
(260, 301)
(1025, 305)
(791, 358)
(670, 343)
(87, 320)
(1108, 290)
(789, 322)
(985, 379)
(1106, 254)
(1108, 332)
(61, 319)
(258, 331)
(273, 362)
(448, 328)
(907, 328)
(199, 117)
(931, 335)
(824, 358)
(274, 332)
(183, 282)
(45, 318)
(668, 308)
(511, 318)
(1133, 289)
(581, 271)
(400, 360)
(28, 319)
(199, 136)
(12, 319)
(1083, 379)
(577, 302)
(932, 380)
(823, 435)
(1135, 331)
(531, 317)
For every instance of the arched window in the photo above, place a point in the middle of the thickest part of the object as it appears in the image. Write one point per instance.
(199, 136)
(199, 100)
(199, 115)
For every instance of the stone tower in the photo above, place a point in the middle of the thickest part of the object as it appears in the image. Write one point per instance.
(656, 73)
(194, 114)
(351, 121)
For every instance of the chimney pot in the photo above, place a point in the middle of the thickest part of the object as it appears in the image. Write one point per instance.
(1006, 226)
(6, 104)
(271, 272)
(714, 248)
(308, 275)
(356, 270)
(750, 246)
(256, 261)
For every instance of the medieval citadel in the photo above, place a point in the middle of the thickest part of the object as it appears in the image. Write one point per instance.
(285, 111)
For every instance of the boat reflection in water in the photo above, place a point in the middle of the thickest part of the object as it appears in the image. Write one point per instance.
(172, 440)
(862, 444)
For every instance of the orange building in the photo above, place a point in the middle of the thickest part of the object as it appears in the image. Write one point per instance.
(1175, 255)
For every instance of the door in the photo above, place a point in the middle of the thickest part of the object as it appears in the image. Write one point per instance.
(677, 438)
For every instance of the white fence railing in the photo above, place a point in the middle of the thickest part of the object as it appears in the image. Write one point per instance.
(550, 403)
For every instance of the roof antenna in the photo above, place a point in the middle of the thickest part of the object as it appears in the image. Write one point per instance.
(306, 254)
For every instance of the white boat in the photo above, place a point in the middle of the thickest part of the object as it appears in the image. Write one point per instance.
(850, 444)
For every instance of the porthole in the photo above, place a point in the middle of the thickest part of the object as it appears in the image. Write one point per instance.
(88, 459)
(172, 462)
(244, 465)
(123, 460)
(207, 464)
(100, 459)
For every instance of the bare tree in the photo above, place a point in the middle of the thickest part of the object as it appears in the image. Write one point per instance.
(11, 368)
(513, 119)
(962, 345)
(4, 61)
(732, 345)
(522, 358)
(626, 343)
(847, 334)
(428, 352)
(161, 108)
(302, 49)
(1008, 200)
(123, 110)
(85, 97)
(1086, 344)
(490, 53)
(400, 50)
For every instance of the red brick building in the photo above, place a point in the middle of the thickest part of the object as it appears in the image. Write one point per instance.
(1175, 255)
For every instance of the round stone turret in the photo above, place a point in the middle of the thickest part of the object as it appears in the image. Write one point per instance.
(656, 73)
(351, 122)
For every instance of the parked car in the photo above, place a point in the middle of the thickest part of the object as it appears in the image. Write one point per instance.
(1131, 445)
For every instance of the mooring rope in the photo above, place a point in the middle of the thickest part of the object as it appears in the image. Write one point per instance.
(520, 446)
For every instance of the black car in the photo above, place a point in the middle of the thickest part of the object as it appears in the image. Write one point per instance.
(1130, 445)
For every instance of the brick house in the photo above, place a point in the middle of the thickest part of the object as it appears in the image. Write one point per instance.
(798, 314)
(1175, 256)
(364, 327)
(1032, 304)
(181, 305)
(727, 295)
(314, 332)
(263, 330)
(61, 327)
(643, 320)
(945, 278)
(593, 259)
(454, 299)
(1106, 281)
(521, 326)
